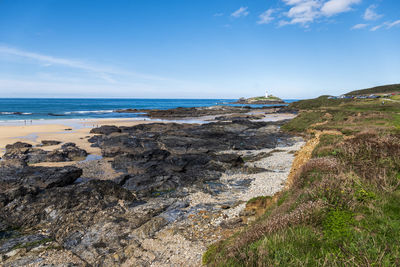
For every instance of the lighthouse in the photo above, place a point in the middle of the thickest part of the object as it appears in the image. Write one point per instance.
(266, 94)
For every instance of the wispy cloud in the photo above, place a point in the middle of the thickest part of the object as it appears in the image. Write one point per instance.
(241, 12)
(50, 60)
(370, 13)
(386, 25)
(375, 28)
(218, 14)
(305, 12)
(104, 72)
(359, 26)
(392, 24)
(266, 17)
(87, 79)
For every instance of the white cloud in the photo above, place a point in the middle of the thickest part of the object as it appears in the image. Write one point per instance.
(376, 28)
(302, 11)
(218, 14)
(305, 12)
(241, 12)
(359, 26)
(266, 17)
(370, 13)
(386, 25)
(333, 7)
(392, 24)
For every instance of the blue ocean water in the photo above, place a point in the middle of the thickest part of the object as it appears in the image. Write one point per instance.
(51, 108)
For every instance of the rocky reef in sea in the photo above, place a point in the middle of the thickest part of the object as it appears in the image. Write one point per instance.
(178, 188)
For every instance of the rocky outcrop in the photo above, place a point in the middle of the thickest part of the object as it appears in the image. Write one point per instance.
(90, 219)
(25, 152)
(175, 185)
(50, 143)
(105, 129)
(162, 157)
(18, 180)
(178, 113)
(183, 113)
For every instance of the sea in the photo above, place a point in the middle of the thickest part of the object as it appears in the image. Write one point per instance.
(26, 109)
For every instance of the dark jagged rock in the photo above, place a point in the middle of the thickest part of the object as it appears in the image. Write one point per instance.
(90, 219)
(239, 117)
(58, 204)
(128, 110)
(193, 112)
(67, 145)
(105, 129)
(19, 180)
(72, 152)
(50, 143)
(29, 154)
(17, 150)
(161, 156)
(18, 146)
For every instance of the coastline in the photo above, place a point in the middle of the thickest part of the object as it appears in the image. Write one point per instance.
(63, 130)
(191, 215)
(78, 130)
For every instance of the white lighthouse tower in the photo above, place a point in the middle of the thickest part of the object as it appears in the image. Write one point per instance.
(266, 94)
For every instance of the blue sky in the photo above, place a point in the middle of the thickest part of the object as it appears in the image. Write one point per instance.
(196, 48)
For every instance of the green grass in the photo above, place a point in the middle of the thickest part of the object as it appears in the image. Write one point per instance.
(282, 198)
(321, 101)
(354, 183)
(303, 121)
(338, 226)
(377, 90)
(261, 98)
(326, 146)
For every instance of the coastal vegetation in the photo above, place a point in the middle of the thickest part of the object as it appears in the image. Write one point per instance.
(377, 90)
(342, 206)
(271, 97)
(260, 100)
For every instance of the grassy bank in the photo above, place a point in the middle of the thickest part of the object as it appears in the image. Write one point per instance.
(343, 207)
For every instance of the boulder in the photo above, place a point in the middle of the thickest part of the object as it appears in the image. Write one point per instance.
(20, 180)
(25, 152)
(50, 143)
(105, 129)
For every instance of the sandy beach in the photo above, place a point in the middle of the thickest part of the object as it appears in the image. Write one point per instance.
(78, 130)
(72, 130)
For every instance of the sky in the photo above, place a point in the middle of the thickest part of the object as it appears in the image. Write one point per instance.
(197, 48)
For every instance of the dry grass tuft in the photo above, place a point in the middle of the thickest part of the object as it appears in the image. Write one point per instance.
(374, 157)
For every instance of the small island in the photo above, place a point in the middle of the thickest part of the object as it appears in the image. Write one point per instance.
(260, 100)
